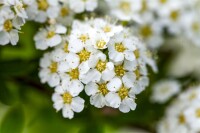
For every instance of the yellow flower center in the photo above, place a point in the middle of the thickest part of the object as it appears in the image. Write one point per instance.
(181, 119)
(146, 31)
(84, 55)
(42, 5)
(67, 98)
(198, 113)
(119, 47)
(53, 67)
(8, 25)
(137, 53)
(84, 38)
(101, 66)
(50, 34)
(163, 1)
(125, 6)
(107, 29)
(174, 15)
(123, 92)
(192, 96)
(144, 6)
(66, 49)
(74, 73)
(119, 70)
(195, 26)
(137, 73)
(100, 44)
(64, 11)
(103, 89)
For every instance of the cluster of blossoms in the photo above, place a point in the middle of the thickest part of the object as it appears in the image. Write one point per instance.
(102, 58)
(183, 116)
(163, 90)
(12, 17)
(61, 11)
(155, 17)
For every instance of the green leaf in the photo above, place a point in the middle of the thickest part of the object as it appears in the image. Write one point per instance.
(13, 122)
(5, 94)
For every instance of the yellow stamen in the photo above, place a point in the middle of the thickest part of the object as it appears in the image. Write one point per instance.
(181, 119)
(100, 44)
(119, 47)
(64, 11)
(101, 66)
(123, 92)
(66, 49)
(84, 55)
(53, 67)
(125, 7)
(107, 29)
(163, 1)
(198, 112)
(43, 5)
(84, 38)
(8, 25)
(137, 53)
(103, 89)
(119, 70)
(174, 15)
(50, 34)
(67, 98)
(146, 31)
(74, 73)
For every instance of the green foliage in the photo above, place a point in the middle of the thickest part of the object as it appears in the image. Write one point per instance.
(13, 121)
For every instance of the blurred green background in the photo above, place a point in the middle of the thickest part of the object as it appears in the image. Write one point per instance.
(26, 106)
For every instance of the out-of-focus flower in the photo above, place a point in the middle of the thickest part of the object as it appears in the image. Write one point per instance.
(163, 90)
(183, 116)
(49, 36)
(12, 17)
(79, 6)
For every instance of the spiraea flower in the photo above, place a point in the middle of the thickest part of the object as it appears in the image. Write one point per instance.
(66, 98)
(42, 10)
(105, 60)
(49, 36)
(79, 6)
(164, 90)
(125, 9)
(12, 17)
(184, 114)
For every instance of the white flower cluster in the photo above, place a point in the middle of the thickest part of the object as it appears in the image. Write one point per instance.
(102, 58)
(60, 10)
(155, 17)
(183, 116)
(12, 17)
(163, 90)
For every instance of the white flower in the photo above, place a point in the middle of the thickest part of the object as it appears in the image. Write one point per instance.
(192, 27)
(183, 115)
(8, 27)
(41, 10)
(66, 98)
(81, 36)
(163, 90)
(125, 9)
(79, 6)
(105, 26)
(151, 32)
(66, 15)
(49, 70)
(49, 36)
(100, 69)
(121, 46)
(120, 96)
(97, 91)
